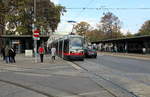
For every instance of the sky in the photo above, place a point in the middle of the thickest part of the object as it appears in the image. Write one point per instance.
(131, 19)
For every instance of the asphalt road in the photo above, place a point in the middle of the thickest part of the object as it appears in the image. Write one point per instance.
(127, 65)
(130, 74)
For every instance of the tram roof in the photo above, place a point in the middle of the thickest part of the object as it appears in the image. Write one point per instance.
(68, 36)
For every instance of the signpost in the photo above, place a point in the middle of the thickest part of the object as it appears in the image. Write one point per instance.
(36, 37)
(35, 33)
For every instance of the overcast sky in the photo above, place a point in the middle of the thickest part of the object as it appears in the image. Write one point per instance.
(132, 19)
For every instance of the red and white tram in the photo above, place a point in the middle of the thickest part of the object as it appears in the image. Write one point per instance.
(69, 47)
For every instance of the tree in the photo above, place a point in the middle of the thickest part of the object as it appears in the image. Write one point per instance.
(110, 25)
(55, 13)
(145, 29)
(129, 34)
(49, 14)
(20, 15)
(2, 15)
(81, 28)
(95, 35)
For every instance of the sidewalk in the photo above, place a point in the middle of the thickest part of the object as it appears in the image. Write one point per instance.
(127, 55)
(60, 79)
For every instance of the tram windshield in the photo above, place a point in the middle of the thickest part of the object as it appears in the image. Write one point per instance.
(76, 42)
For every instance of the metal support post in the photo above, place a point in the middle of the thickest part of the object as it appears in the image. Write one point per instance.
(35, 41)
(58, 48)
(35, 50)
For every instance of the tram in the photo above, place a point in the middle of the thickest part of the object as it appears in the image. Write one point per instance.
(69, 47)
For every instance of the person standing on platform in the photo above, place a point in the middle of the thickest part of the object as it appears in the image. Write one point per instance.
(53, 53)
(12, 55)
(3, 53)
(7, 54)
(41, 52)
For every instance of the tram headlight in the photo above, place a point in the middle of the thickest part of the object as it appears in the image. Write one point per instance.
(71, 52)
(82, 52)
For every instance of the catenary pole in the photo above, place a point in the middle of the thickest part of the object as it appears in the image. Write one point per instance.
(35, 40)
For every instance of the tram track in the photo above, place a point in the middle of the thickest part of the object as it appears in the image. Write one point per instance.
(41, 92)
(26, 87)
(32, 89)
(130, 94)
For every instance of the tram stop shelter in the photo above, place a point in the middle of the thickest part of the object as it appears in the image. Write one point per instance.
(22, 42)
(129, 45)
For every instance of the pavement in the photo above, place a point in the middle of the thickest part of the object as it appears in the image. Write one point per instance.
(128, 55)
(27, 78)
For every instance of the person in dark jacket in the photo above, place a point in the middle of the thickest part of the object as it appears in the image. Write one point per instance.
(3, 53)
(12, 55)
(7, 54)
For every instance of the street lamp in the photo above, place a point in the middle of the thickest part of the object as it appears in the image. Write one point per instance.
(72, 22)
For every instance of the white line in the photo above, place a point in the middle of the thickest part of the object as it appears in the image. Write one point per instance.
(33, 74)
(73, 65)
(90, 93)
(71, 96)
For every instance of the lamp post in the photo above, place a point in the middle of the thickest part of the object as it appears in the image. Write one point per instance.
(72, 22)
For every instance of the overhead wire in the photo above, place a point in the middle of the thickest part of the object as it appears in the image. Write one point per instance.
(81, 12)
(106, 8)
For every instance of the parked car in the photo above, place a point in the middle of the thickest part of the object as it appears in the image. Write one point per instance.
(90, 53)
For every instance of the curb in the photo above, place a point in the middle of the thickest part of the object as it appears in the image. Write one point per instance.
(125, 55)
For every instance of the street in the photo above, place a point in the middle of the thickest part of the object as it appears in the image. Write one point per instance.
(106, 76)
(25, 78)
(130, 74)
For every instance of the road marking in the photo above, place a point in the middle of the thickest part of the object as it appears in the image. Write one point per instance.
(87, 93)
(34, 74)
(74, 65)
(71, 96)
(100, 54)
(13, 69)
(91, 93)
(9, 65)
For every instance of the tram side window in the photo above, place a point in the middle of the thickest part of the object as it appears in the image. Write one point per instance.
(60, 47)
(66, 46)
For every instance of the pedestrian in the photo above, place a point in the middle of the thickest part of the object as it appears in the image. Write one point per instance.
(3, 53)
(7, 54)
(53, 53)
(41, 52)
(144, 50)
(12, 55)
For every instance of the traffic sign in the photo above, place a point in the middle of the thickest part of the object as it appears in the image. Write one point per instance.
(36, 35)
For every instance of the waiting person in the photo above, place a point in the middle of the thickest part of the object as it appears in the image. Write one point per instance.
(144, 50)
(3, 53)
(53, 53)
(12, 55)
(41, 52)
(7, 54)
